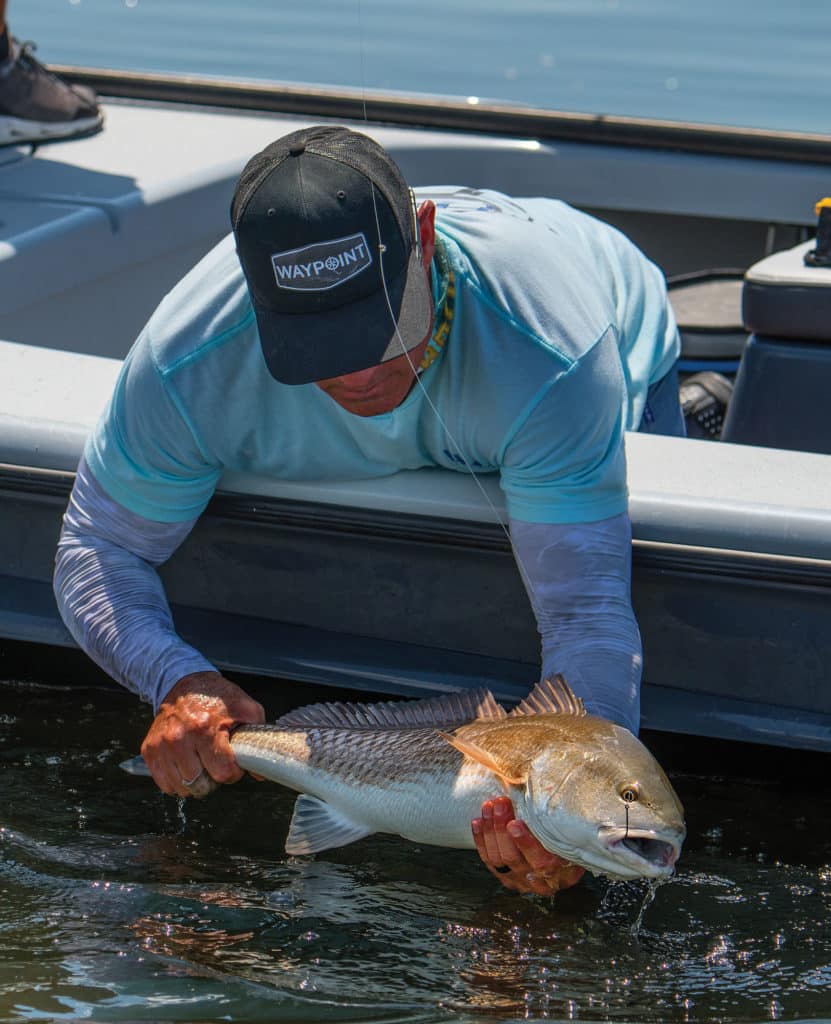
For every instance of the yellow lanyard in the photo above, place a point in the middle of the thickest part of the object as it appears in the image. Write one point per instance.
(442, 332)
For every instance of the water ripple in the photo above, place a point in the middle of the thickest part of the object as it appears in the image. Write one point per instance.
(115, 905)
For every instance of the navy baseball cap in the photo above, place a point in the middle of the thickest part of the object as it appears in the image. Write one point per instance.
(327, 236)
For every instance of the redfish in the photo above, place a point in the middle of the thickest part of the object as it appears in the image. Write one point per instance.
(588, 789)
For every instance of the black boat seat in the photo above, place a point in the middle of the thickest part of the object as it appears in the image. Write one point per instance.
(708, 309)
(781, 393)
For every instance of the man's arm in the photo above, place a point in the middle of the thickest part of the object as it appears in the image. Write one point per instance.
(113, 603)
(564, 476)
(578, 578)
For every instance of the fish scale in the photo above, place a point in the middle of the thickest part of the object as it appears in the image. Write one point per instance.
(358, 755)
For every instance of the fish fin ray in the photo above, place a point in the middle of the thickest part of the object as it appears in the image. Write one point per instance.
(448, 712)
(551, 696)
(316, 826)
(135, 766)
(476, 753)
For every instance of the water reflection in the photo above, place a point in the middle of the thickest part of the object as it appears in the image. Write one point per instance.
(116, 905)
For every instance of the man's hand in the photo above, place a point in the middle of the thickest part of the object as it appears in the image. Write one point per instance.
(188, 748)
(505, 843)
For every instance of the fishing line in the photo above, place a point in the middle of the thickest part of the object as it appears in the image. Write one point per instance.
(381, 250)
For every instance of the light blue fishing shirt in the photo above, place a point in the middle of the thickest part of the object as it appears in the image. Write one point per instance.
(560, 325)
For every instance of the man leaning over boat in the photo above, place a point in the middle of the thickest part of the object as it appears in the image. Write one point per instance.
(346, 330)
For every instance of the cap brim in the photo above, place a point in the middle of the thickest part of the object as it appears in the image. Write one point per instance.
(307, 347)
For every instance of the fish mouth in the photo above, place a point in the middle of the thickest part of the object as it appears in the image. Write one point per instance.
(650, 854)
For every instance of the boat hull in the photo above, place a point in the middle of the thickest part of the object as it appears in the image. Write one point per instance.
(407, 585)
(736, 642)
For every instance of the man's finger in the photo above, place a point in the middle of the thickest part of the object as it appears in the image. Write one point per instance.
(499, 850)
(193, 779)
(532, 849)
(488, 840)
(249, 712)
(200, 787)
(189, 770)
(160, 769)
(546, 869)
(477, 828)
(507, 851)
(219, 760)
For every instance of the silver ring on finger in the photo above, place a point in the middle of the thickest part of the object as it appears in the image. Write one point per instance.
(187, 783)
(201, 786)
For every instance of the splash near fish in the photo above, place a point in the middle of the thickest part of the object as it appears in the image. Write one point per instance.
(588, 789)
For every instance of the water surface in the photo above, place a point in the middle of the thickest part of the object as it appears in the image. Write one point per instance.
(761, 63)
(118, 904)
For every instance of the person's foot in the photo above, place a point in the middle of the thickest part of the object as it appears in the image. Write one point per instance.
(37, 106)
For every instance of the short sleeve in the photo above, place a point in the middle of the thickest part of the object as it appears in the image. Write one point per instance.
(144, 451)
(565, 460)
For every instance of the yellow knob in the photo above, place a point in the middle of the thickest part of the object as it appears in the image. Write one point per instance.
(823, 204)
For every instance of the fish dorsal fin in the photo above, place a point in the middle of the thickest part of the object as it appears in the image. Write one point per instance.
(446, 712)
(552, 696)
(316, 825)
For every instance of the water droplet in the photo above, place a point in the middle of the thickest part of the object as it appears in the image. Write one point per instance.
(651, 888)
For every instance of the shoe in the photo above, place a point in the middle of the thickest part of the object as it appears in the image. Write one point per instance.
(704, 398)
(37, 106)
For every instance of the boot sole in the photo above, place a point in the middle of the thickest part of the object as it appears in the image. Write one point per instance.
(15, 130)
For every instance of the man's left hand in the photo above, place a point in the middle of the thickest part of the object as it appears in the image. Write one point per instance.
(515, 857)
(188, 748)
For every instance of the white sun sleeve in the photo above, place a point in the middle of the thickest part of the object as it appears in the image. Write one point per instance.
(113, 602)
(578, 578)
(110, 595)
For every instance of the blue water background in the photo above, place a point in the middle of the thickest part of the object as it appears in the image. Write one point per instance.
(758, 63)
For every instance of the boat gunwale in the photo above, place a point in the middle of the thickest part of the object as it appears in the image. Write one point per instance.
(273, 512)
(437, 112)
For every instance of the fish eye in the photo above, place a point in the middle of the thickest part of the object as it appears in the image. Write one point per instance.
(629, 794)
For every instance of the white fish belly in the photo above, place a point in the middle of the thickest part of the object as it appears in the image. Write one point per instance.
(428, 812)
(434, 809)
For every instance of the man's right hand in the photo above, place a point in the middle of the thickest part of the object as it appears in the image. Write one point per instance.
(515, 857)
(188, 748)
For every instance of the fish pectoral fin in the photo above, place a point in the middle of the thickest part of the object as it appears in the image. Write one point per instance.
(316, 825)
(482, 757)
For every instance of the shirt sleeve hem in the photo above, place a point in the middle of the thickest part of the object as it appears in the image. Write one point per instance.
(129, 500)
(184, 663)
(566, 512)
